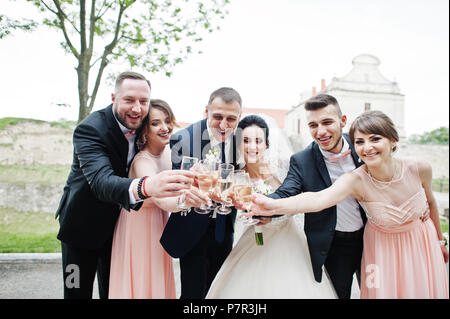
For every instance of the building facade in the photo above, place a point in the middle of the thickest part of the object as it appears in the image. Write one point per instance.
(363, 88)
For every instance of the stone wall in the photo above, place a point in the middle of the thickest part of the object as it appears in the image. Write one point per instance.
(31, 197)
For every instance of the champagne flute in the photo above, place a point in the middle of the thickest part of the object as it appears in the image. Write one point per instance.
(224, 183)
(205, 183)
(244, 193)
(186, 164)
(241, 179)
(214, 172)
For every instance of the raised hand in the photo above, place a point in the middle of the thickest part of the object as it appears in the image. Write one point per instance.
(195, 198)
(169, 183)
(263, 206)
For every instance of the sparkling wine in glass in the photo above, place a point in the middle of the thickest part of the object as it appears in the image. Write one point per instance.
(244, 193)
(224, 183)
(205, 180)
(186, 164)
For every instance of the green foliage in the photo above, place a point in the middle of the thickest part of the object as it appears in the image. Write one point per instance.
(438, 136)
(7, 25)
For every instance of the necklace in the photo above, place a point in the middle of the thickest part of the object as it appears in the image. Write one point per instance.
(385, 184)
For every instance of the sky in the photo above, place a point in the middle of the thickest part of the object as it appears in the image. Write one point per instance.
(269, 51)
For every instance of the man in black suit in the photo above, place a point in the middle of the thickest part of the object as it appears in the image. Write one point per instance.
(97, 186)
(334, 234)
(202, 242)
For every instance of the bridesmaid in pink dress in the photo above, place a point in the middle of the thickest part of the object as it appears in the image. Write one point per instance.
(140, 267)
(404, 251)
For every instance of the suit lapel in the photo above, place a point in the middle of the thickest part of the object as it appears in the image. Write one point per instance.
(321, 166)
(205, 140)
(118, 139)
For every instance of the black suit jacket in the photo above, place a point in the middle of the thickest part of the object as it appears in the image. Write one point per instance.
(308, 173)
(182, 233)
(97, 186)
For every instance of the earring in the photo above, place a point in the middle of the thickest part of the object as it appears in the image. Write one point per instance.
(359, 160)
(394, 148)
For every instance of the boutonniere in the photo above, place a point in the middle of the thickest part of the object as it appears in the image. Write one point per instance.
(213, 155)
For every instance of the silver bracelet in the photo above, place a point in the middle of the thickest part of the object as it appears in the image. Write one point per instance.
(443, 242)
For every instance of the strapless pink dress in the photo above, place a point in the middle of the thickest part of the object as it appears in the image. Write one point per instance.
(140, 267)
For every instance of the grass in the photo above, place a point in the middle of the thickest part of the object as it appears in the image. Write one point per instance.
(5, 121)
(444, 225)
(34, 174)
(440, 185)
(28, 232)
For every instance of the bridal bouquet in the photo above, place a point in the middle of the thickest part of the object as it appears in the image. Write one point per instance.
(261, 187)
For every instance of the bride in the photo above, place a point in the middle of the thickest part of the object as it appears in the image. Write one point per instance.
(281, 267)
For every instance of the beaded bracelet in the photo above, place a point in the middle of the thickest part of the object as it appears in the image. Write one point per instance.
(142, 195)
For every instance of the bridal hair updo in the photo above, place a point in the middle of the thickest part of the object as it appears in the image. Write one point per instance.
(143, 130)
(251, 120)
(374, 122)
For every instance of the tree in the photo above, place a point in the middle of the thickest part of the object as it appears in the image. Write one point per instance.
(144, 33)
(437, 136)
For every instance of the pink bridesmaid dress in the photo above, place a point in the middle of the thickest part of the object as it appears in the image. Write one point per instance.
(140, 267)
(402, 256)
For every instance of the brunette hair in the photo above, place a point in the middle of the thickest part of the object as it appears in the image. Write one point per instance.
(322, 100)
(228, 95)
(129, 75)
(250, 120)
(374, 122)
(143, 130)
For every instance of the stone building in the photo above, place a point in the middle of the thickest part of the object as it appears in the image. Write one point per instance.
(363, 88)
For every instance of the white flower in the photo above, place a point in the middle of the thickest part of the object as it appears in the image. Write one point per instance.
(262, 187)
(212, 156)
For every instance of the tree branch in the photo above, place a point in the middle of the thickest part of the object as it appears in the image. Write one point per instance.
(92, 21)
(61, 16)
(106, 52)
(48, 8)
(100, 13)
(83, 26)
(56, 13)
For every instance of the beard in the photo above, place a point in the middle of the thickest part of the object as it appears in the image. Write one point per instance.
(122, 120)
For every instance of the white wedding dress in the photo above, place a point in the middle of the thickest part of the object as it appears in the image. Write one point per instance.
(281, 268)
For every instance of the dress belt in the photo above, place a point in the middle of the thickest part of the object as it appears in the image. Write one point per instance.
(349, 235)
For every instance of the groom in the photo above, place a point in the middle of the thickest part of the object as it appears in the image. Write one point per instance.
(335, 235)
(97, 187)
(202, 242)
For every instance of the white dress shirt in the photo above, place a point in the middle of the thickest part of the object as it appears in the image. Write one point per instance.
(131, 151)
(348, 213)
(216, 145)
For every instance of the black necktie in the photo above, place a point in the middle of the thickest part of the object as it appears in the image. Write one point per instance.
(223, 152)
